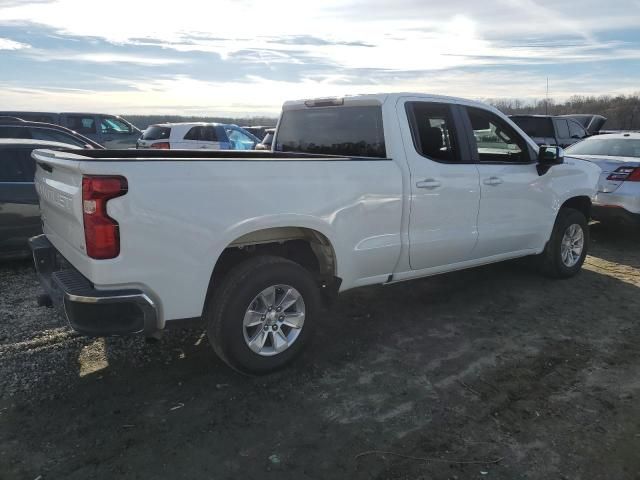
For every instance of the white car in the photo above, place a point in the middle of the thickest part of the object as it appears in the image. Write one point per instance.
(196, 135)
(358, 191)
(618, 155)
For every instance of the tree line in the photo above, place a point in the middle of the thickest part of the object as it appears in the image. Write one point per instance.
(622, 111)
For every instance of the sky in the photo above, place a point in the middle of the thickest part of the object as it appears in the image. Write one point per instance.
(244, 57)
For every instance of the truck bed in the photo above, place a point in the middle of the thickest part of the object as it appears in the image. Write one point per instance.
(179, 214)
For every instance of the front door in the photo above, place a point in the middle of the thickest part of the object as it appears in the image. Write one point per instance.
(516, 206)
(445, 193)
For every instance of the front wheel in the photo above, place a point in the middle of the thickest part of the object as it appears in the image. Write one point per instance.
(262, 314)
(566, 250)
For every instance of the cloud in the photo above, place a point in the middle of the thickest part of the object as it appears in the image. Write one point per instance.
(229, 54)
(111, 58)
(7, 44)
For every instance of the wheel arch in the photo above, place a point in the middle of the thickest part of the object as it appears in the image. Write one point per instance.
(305, 245)
(582, 203)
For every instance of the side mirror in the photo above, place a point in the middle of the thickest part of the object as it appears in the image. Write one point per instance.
(548, 156)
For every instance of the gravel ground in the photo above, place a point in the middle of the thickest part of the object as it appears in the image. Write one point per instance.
(521, 376)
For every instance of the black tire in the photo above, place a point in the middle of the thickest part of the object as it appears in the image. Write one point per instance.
(550, 261)
(225, 310)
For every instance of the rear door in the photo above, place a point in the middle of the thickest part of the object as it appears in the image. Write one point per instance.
(445, 193)
(516, 203)
(19, 212)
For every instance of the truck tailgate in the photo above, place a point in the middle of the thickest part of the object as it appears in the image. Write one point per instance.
(59, 184)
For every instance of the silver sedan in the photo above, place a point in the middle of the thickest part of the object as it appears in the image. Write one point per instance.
(618, 155)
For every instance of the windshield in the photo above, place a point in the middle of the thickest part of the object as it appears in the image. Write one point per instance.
(156, 132)
(353, 131)
(608, 147)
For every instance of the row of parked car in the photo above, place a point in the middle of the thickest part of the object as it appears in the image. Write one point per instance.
(97, 130)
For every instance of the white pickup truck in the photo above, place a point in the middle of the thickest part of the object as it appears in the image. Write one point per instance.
(359, 190)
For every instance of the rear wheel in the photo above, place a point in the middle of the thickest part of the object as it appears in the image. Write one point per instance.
(262, 314)
(566, 250)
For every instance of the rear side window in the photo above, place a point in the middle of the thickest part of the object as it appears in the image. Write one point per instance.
(562, 128)
(535, 126)
(16, 165)
(81, 124)
(351, 131)
(14, 132)
(55, 136)
(202, 133)
(34, 117)
(433, 131)
(156, 132)
(576, 130)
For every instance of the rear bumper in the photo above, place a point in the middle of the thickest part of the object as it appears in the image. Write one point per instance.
(90, 311)
(615, 214)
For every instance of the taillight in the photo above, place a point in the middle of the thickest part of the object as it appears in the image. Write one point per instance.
(161, 145)
(625, 174)
(101, 232)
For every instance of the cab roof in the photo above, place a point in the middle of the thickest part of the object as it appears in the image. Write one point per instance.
(381, 98)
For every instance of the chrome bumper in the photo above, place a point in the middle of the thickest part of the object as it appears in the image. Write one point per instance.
(90, 311)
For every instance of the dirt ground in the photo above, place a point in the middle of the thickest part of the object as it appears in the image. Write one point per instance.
(523, 377)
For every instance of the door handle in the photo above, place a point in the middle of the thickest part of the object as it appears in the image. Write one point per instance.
(430, 183)
(492, 181)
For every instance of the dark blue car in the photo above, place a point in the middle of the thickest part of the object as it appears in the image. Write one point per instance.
(19, 205)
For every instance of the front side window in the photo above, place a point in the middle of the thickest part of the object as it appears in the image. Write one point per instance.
(495, 140)
(338, 130)
(114, 125)
(82, 124)
(240, 140)
(16, 165)
(433, 131)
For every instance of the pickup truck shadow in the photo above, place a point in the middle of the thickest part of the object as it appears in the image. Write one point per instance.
(386, 364)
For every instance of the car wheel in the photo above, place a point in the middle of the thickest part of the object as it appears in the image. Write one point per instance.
(262, 314)
(566, 250)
